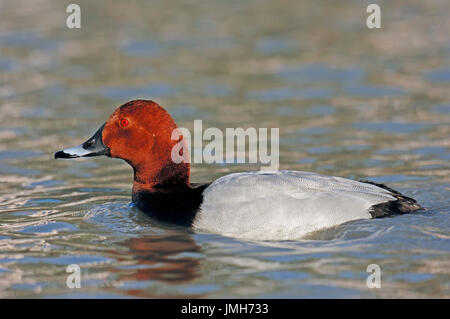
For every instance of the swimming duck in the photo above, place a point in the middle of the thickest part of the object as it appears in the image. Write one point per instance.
(260, 205)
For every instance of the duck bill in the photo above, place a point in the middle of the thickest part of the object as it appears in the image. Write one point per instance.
(92, 147)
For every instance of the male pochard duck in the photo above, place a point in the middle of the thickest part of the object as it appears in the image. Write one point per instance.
(279, 205)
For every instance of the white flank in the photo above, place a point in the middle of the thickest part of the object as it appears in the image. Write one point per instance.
(283, 205)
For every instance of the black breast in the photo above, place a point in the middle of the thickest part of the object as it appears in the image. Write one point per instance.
(173, 205)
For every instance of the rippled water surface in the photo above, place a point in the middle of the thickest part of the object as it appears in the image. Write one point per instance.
(349, 101)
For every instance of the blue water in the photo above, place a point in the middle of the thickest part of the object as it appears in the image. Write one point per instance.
(349, 101)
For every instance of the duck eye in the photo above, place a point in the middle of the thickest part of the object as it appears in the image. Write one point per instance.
(124, 122)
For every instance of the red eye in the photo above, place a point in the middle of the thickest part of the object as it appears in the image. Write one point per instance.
(124, 122)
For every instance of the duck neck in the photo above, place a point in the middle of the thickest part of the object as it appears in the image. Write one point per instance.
(166, 178)
(166, 194)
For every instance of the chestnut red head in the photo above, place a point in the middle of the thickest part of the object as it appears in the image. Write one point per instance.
(139, 132)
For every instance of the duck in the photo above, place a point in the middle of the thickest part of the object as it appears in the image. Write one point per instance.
(255, 205)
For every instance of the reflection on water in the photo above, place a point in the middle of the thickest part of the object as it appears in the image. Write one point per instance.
(162, 258)
(163, 250)
(348, 101)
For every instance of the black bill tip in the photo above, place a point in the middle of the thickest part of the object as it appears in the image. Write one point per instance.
(61, 154)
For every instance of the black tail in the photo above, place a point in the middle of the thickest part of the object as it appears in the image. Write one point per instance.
(403, 204)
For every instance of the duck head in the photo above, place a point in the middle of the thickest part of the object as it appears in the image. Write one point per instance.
(139, 132)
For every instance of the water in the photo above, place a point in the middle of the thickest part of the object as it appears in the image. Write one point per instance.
(348, 101)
